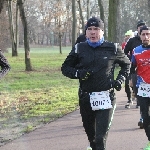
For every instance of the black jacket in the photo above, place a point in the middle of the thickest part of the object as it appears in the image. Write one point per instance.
(101, 60)
(81, 38)
(131, 44)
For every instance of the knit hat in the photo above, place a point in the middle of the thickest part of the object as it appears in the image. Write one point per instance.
(144, 28)
(140, 23)
(95, 21)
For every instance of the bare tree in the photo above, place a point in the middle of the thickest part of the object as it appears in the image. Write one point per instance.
(74, 22)
(101, 8)
(26, 41)
(149, 5)
(4, 30)
(43, 18)
(81, 15)
(1, 5)
(112, 20)
(12, 32)
(88, 9)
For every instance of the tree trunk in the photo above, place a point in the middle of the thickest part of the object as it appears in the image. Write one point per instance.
(149, 5)
(74, 22)
(88, 9)
(26, 41)
(81, 16)
(1, 4)
(112, 20)
(60, 36)
(17, 24)
(60, 44)
(12, 34)
(101, 8)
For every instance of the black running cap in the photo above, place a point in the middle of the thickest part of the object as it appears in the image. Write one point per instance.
(95, 21)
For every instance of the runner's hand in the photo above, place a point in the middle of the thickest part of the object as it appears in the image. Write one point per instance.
(117, 85)
(84, 74)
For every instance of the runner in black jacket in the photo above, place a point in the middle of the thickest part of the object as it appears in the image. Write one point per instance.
(131, 44)
(93, 62)
(82, 37)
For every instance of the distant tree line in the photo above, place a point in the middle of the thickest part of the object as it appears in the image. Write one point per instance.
(59, 22)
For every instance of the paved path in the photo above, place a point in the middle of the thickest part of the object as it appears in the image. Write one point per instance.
(67, 133)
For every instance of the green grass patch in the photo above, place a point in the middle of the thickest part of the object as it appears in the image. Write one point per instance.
(43, 93)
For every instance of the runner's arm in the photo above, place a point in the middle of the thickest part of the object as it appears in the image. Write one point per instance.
(133, 64)
(124, 63)
(128, 48)
(69, 66)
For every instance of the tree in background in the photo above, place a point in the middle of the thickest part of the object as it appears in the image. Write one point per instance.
(102, 16)
(1, 5)
(81, 15)
(149, 4)
(4, 31)
(88, 9)
(13, 34)
(26, 40)
(74, 22)
(42, 19)
(112, 20)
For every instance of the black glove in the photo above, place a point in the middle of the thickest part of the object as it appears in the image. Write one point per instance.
(83, 74)
(117, 85)
(118, 82)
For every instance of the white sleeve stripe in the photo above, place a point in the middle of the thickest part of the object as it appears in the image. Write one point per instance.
(76, 48)
(76, 73)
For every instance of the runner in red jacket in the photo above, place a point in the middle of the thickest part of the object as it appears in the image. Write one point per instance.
(141, 65)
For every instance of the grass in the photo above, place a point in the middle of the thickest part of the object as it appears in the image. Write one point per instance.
(43, 94)
(39, 96)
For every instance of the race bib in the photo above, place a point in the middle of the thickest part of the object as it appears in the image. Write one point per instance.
(100, 100)
(144, 90)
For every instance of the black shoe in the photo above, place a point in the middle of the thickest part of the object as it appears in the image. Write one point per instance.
(129, 102)
(93, 145)
(140, 123)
